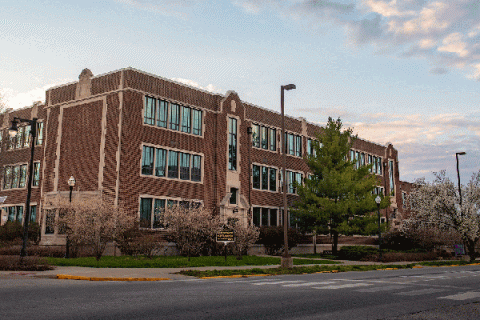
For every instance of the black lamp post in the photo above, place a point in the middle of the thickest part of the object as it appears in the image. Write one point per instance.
(33, 132)
(71, 184)
(286, 260)
(458, 175)
(378, 200)
(249, 132)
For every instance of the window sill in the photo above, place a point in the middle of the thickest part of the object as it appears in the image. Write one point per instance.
(171, 130)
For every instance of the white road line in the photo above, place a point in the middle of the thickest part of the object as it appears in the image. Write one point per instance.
(349, 285)
(463, 296)
(306, 284)
(275, 282)
(420, 292)
(377, 289)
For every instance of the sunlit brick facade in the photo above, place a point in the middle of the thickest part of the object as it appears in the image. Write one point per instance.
(146, 142)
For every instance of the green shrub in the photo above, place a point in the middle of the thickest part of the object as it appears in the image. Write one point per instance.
(273, 239)
(134, 241)
(356, 252)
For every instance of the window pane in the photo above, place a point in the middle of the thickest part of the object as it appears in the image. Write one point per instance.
(379, 168)
(298, 146)
(256, 176)
(256, 135)
(160, 162)
(26, 136)
(149, 117)
(233, 196)
(197, 122)
(50, 222)
(145, 212)
(186, 120)
(36, 174)
(162, 113)
(173, 164)
(264, 137)
(291, 144)
(290, 180)
(16, 176)
(11, 214)
(264, 178)
(174, 116)
(392, 182)
(273, 139)
(33, 213)
(19, 213)
(184, 166)
(158, 213)
(273, 179)
(20, 137)
(273, 217)
(23, 176)
(264, 216)
(232, 145)
(7, 178)
(256, 216)
(196, 168)
(39, 133)
(147, 160)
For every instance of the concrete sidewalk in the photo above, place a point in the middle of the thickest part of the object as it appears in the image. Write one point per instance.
(141, 274)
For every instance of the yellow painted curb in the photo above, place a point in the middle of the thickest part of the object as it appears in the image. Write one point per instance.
(417, 267)
(389, 269)
(66, 276)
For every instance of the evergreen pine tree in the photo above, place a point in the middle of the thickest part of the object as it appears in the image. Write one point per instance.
(337, 190)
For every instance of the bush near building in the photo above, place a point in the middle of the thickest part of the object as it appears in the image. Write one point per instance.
(12, 233)
(273, 239)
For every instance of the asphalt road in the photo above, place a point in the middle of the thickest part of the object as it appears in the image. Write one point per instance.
(427, 293)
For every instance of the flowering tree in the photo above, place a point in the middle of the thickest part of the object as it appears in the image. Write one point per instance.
(191, 228)
(438, 204)
(245, 237)
(91, 222)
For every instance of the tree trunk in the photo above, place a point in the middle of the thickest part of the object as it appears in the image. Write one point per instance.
(470, 246)
(335, 242)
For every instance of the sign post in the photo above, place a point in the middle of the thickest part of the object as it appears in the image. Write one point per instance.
(226, 236)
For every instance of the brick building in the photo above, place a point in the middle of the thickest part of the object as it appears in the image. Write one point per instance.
(145, 142)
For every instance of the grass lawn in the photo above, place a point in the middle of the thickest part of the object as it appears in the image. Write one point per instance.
(175, 261)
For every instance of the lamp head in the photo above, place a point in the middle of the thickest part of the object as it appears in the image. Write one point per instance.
(461, 153)
(378, 199)
(71, 181)
(289, 87)
(12, 131)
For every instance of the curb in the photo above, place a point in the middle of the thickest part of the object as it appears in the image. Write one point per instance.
(238, 276)
(70, 277)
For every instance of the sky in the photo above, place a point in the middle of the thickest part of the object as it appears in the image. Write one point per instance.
(401, 72)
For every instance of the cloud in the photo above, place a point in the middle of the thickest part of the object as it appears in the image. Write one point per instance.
(209, 87)
(446, 32)
(425, 143)
(14, 99)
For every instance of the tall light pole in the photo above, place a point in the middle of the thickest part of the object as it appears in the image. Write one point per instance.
(378, 200)
(33, 132)
(458, 175)
(287, 260)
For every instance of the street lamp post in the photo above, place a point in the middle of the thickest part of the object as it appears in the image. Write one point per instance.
(71, 184)
(287, 260)
(378, 200)
(249, 132)
(458, 175)
(33, 132)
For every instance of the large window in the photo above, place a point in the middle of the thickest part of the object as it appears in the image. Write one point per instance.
(152, 210)
(291, 178)
(16, 176)
(264, 137)
(264, 178)
(265, 216)
(22, 139)
(293, 144)
(15, 213)
(232, 144)
(171, 164)
(391, 176)
(165, 114)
